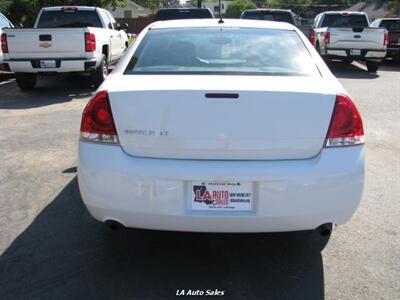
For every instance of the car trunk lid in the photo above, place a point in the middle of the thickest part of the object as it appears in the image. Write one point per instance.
(241, 118)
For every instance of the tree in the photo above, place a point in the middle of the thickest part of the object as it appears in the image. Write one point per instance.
(235, 8)
(311, 7)
(25, 11)
(394, 7)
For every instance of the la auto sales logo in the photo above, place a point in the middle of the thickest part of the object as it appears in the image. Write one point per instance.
(217, 197)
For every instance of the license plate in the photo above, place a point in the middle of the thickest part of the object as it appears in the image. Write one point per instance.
(222, 195)
(48, 64)
(355, 52)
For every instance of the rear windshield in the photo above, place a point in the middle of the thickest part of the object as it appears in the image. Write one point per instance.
(4, 22)
(391, 25)
(69, 19)
(250, 51)
(344, 21)
(280, 16)
(177, 14)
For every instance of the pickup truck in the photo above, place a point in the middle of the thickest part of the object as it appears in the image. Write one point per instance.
(392, 25)
(278, 15)
(165, 14)
(65, 39)
(4, 23)
(348, 36)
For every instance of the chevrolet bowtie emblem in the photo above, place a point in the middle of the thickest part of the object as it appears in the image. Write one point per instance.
(45, 45)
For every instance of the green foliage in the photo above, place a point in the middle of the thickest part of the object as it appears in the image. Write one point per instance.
(394, 7)
(281, 3)
(310, 7)
(235, 8)
(25, 11)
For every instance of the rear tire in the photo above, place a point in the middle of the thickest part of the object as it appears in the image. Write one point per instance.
(325, 58)
(26, 81)
(318, 48)
(372, 66)
(101, 72)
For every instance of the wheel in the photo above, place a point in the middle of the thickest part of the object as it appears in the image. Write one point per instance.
(372, 66)
(318, 48)
(26, 81)
(325, 58)
(101, 72)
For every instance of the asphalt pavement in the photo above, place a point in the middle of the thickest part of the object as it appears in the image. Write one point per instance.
(50, 248)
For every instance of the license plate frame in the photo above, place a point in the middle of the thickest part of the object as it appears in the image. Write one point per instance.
(355, 52)
(221, 196)
(48, 64)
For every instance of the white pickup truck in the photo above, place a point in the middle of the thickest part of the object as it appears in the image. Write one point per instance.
(348, 36)
(4, 23)
(65, 39)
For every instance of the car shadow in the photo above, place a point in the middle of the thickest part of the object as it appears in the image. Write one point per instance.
(352, 71)
(49, 90)
(65, 253)
(390, 65)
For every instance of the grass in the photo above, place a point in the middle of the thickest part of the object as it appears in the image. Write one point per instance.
(131, 40)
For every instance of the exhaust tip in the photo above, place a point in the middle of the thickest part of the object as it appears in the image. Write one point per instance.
(325, 230)
(114, 225)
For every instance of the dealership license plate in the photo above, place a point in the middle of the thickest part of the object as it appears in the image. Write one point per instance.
(222, 195)
(355, 52)
(48, 64)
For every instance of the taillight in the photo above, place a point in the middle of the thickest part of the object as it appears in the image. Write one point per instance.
(311, 37)
(346, 128)
(97, 121)
(327, 37)
(90, 42)
(386, 39)
(4, 43)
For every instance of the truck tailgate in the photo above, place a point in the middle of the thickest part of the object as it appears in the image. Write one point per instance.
(46, 43)
(357, 38)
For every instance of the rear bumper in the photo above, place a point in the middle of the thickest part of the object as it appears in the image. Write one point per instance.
(289, 195)
(62, 65)
(365, 54)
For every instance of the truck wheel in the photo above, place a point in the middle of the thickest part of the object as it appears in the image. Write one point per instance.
(26, 81)
(318, 48)
(372, 66)
(101, 72)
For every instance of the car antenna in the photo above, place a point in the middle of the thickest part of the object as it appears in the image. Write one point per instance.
(220, 14)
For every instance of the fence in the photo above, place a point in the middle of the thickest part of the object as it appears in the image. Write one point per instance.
(136, 25)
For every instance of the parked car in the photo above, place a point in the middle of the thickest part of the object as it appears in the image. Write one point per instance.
(348, 36)
(392, 25)
(63, 40)
(221, 127)
(183, 13)
(279, 15)
(4, 23)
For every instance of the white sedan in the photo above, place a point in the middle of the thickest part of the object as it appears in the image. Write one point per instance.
(222, 127)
